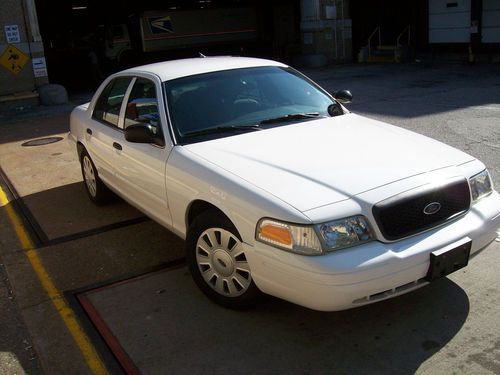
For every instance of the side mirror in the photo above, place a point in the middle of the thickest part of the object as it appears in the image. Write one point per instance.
(343, 96)
(142, 133)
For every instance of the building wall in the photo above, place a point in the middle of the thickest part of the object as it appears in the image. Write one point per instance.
(449, 21)
(469, 29)
(490, 28)
(326, 29)
(23, 14)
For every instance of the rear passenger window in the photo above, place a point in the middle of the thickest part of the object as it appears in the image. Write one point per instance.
(107, 108)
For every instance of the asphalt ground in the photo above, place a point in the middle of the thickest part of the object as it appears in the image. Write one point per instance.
(88, 289)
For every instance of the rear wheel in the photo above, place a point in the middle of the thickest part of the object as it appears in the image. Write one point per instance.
(96, 190)
(218, 262)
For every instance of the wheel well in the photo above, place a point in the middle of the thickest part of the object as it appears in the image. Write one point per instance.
(198, 207)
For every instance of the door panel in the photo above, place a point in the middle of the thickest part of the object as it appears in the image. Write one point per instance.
(100, 148)
(103, 128)
(140, 168)
(140, 174)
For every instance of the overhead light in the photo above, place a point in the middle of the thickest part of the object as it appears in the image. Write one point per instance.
(79, 7)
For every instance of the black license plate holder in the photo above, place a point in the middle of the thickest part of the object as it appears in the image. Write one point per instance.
(445, 261)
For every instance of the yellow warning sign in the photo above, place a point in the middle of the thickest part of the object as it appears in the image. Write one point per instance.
(13, 59)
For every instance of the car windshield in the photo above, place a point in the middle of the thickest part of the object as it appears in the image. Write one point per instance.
(228, 102)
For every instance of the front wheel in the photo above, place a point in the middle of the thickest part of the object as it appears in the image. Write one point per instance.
(218, 262)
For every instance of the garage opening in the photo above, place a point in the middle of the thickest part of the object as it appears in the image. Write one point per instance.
(385, 24)
(86, 40)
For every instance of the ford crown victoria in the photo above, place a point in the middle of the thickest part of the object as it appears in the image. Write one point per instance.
(277, 188)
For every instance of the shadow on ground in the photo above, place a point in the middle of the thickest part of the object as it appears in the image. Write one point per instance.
(24, 128)
(16, 349)
(413, 90)
(66, 210)
(166, 325)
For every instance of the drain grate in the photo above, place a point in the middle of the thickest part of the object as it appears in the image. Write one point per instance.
(41, 141)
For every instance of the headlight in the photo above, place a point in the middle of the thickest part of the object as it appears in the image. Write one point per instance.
(296, 238)
(345, 232)
(314, 240)
(480, 185)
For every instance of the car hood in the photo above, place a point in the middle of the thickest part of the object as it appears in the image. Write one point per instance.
(319, 162)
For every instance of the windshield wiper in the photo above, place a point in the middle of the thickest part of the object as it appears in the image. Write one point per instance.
(290, 117)
(222, 129)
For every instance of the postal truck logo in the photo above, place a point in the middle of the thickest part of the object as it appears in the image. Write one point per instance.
(160, 25)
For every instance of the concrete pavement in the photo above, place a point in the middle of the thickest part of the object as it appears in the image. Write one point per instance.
(165, 325)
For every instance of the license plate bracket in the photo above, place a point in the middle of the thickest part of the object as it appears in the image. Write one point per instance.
(445, 261)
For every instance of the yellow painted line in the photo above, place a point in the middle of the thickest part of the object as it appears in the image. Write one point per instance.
(65, 312)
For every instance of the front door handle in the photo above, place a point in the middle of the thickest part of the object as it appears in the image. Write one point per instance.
(117, 145)
(89, 131)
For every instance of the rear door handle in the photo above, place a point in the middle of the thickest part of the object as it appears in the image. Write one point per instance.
(117, 145)
(89, 131)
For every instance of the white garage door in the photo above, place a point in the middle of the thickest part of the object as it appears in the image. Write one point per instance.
(491, 21)
(449, 21)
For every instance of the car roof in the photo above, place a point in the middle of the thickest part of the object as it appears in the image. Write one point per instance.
(168, 70)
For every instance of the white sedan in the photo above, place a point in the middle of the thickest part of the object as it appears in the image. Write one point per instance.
(277, 188)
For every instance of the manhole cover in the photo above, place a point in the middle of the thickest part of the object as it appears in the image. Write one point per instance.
(41, 141)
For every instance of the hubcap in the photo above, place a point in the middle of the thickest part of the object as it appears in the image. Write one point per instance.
(222, 262)
(88, 172)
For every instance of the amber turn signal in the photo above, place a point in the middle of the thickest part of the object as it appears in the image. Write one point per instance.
(276, 234)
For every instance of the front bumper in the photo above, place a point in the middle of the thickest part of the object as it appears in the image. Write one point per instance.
(371, 272)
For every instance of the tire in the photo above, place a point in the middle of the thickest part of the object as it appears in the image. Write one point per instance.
(217, 262)
(96, 190)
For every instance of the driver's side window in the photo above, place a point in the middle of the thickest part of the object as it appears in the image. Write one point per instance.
(142, 105)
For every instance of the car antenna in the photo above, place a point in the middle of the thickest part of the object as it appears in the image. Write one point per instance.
(201, 54)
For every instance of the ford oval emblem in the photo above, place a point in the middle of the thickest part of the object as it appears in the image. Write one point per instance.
(432, 208)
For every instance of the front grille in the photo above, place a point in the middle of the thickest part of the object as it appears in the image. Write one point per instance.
(403, 215)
